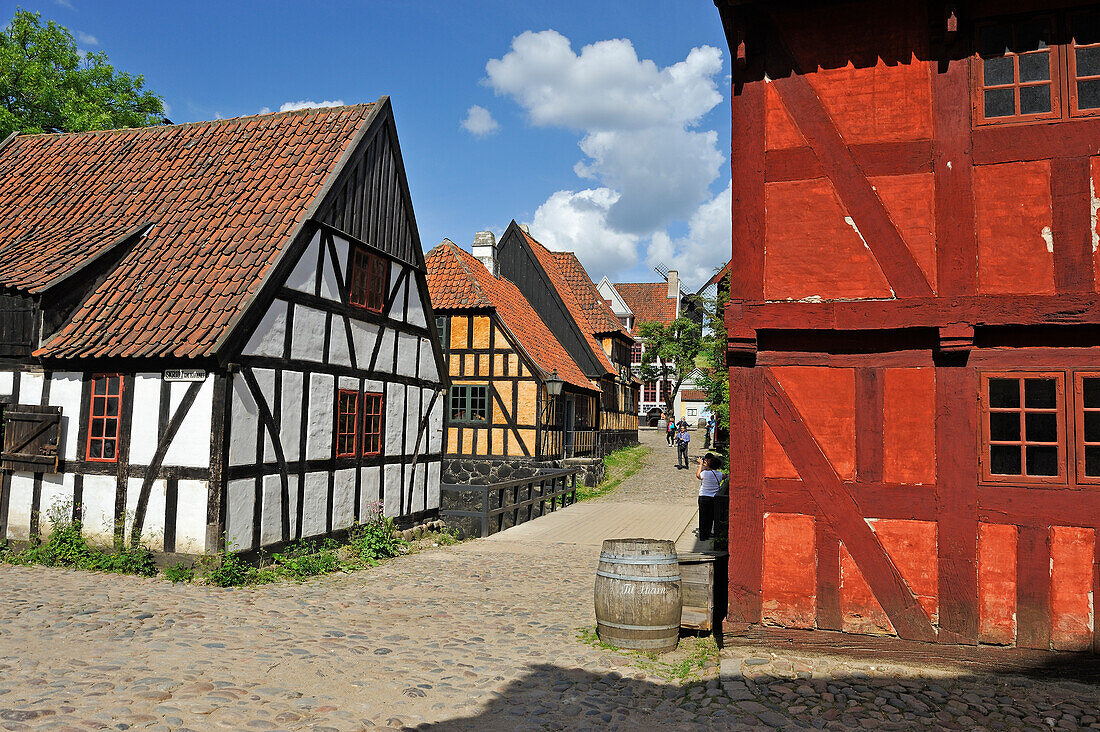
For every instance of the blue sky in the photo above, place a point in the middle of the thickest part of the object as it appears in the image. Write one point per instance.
(617, 150)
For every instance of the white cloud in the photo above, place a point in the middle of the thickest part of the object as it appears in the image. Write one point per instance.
(479, 122)
(265, 110)
(87, 38)
(637, 125)
(65, 4)
(307, 104)
(706, 246)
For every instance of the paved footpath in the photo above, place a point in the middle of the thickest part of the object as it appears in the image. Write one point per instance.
(479, 636)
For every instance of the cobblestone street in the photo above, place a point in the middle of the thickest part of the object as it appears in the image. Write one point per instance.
(482, 635)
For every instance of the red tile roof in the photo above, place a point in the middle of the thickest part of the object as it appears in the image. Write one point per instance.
(693, 395)
(458, 281)
(649, 301)
(550, 263)
(597, 312)
(224, 199)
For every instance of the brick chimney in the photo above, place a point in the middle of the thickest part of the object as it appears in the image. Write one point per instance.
(485, 249)
(673, 284)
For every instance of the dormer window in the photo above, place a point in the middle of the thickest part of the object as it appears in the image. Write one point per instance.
(367, 280)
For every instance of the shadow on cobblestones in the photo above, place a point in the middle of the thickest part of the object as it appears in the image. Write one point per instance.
(552, 698)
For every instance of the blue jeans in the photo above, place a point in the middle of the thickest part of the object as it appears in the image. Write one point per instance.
(682, 453)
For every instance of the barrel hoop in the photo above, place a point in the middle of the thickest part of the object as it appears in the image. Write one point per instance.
(665, 559)
(635, 578)
(632, 643)
(623, 626)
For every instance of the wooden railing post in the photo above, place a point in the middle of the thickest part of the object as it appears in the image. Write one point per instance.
(484, 512)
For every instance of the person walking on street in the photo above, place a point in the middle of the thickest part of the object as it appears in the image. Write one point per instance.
(683, 437)
(711, 482)
(670, 433)
(710, 433)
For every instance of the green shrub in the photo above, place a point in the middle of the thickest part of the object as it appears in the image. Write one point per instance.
(231, 571)
(179, 573)
(375, 539)
(306, 559)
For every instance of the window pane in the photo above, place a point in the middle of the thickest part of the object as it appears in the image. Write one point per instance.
(1088, 94)
(1092, 462)
(1092, 426)
(1042, 460)
(1005, 393)
(112, 405)
(1004, 426)
(997, 71)
(1000, 103)
(97, 428)
(1041, 427)
(1035, 99)
(95, 449)
(97, 407)
(1004, 459)
(1088, 61)
(1031, 36)
(108, 450)
(996, 40)
(1091, 393)
(1040, 394)
(1035, 67)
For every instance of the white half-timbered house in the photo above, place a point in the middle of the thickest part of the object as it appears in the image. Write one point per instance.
(216, 333)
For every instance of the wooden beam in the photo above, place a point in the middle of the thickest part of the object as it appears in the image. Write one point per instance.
(869, 424)
(874, 159)
(747, 167)
(1071, 224)
(746, 509)
(1073, 138)
(1033, 588)
(956, 241)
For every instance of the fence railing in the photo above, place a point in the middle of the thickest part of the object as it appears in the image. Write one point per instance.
(582, 443)
(514, 499)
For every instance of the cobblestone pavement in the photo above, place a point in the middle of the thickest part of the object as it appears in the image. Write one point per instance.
(479, 636)
(661, 481)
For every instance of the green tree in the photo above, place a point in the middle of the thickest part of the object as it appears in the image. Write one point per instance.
(715, 379)
(47, 85)
(670, 353)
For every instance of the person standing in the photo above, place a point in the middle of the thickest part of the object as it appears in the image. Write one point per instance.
(710, 433)
(683, 437)
(670, 433)
(711, 483)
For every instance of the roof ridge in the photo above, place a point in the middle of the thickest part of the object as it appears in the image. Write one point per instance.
(302, 112)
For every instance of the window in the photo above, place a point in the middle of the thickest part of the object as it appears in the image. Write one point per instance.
(347, 424)
(469, 404)
(104, 417)
(692, 412)
(1021, 65)
(636, 352)
(1023, 430)
(649, 391)
(441, 323)
(367, 280)
(1087, 397)
(372, 423)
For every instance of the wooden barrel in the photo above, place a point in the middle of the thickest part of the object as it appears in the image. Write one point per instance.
(638, 594)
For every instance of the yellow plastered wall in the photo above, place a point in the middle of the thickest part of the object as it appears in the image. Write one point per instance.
(528, 393)
(483, 365)
(459, 329)
(481, 326)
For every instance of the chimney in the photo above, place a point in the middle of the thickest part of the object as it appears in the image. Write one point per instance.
(485, 249)
(673, 284)
(525, 229)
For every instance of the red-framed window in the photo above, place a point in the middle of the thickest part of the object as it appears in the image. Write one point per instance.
(1023, 418)
(1086, 397)
(372, 423)
(649, 391)
(1037, 68)
(347, 423)
(105, 414)
(367, 279)
(636, 352)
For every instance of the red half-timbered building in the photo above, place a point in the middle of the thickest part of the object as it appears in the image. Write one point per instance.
(913, 325)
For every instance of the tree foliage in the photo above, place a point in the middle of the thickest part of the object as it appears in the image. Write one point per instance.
(715, 379)
(47, 85)
(670, 353)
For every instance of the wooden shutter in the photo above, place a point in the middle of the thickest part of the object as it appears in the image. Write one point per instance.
(30, 438)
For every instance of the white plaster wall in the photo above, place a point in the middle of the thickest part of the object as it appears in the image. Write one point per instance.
(30, 387)
(271, 517)
(395, 414)
(191, 497)
(341, 254)
(397, 312)
(308, 339)
(270, 334)
(415, 490)
(428, 370)
(348, 382)
(57, 489)
(435, 444)
(245, 420)
(19, 506)
(329, 290)
(406, 354)
(191, 445)
(99, 508)
(433, 490)
(304, 276)
(65, 393)
(292, 484)
(265, 379)
(238, 514)
(384, 364)
(415, 313)
(315, 505)
(363, 336)
(319, 437)
(152, 532)
(145, 426)
(343, 499)
(290, 425)
(412, 420)
(339, 350)
(391, 489)
(7, 383)
(370, 488)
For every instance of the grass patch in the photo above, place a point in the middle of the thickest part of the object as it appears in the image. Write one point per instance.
(685, 665)
(621, 464)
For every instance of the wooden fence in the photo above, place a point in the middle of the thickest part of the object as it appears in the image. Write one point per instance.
(512, 502)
